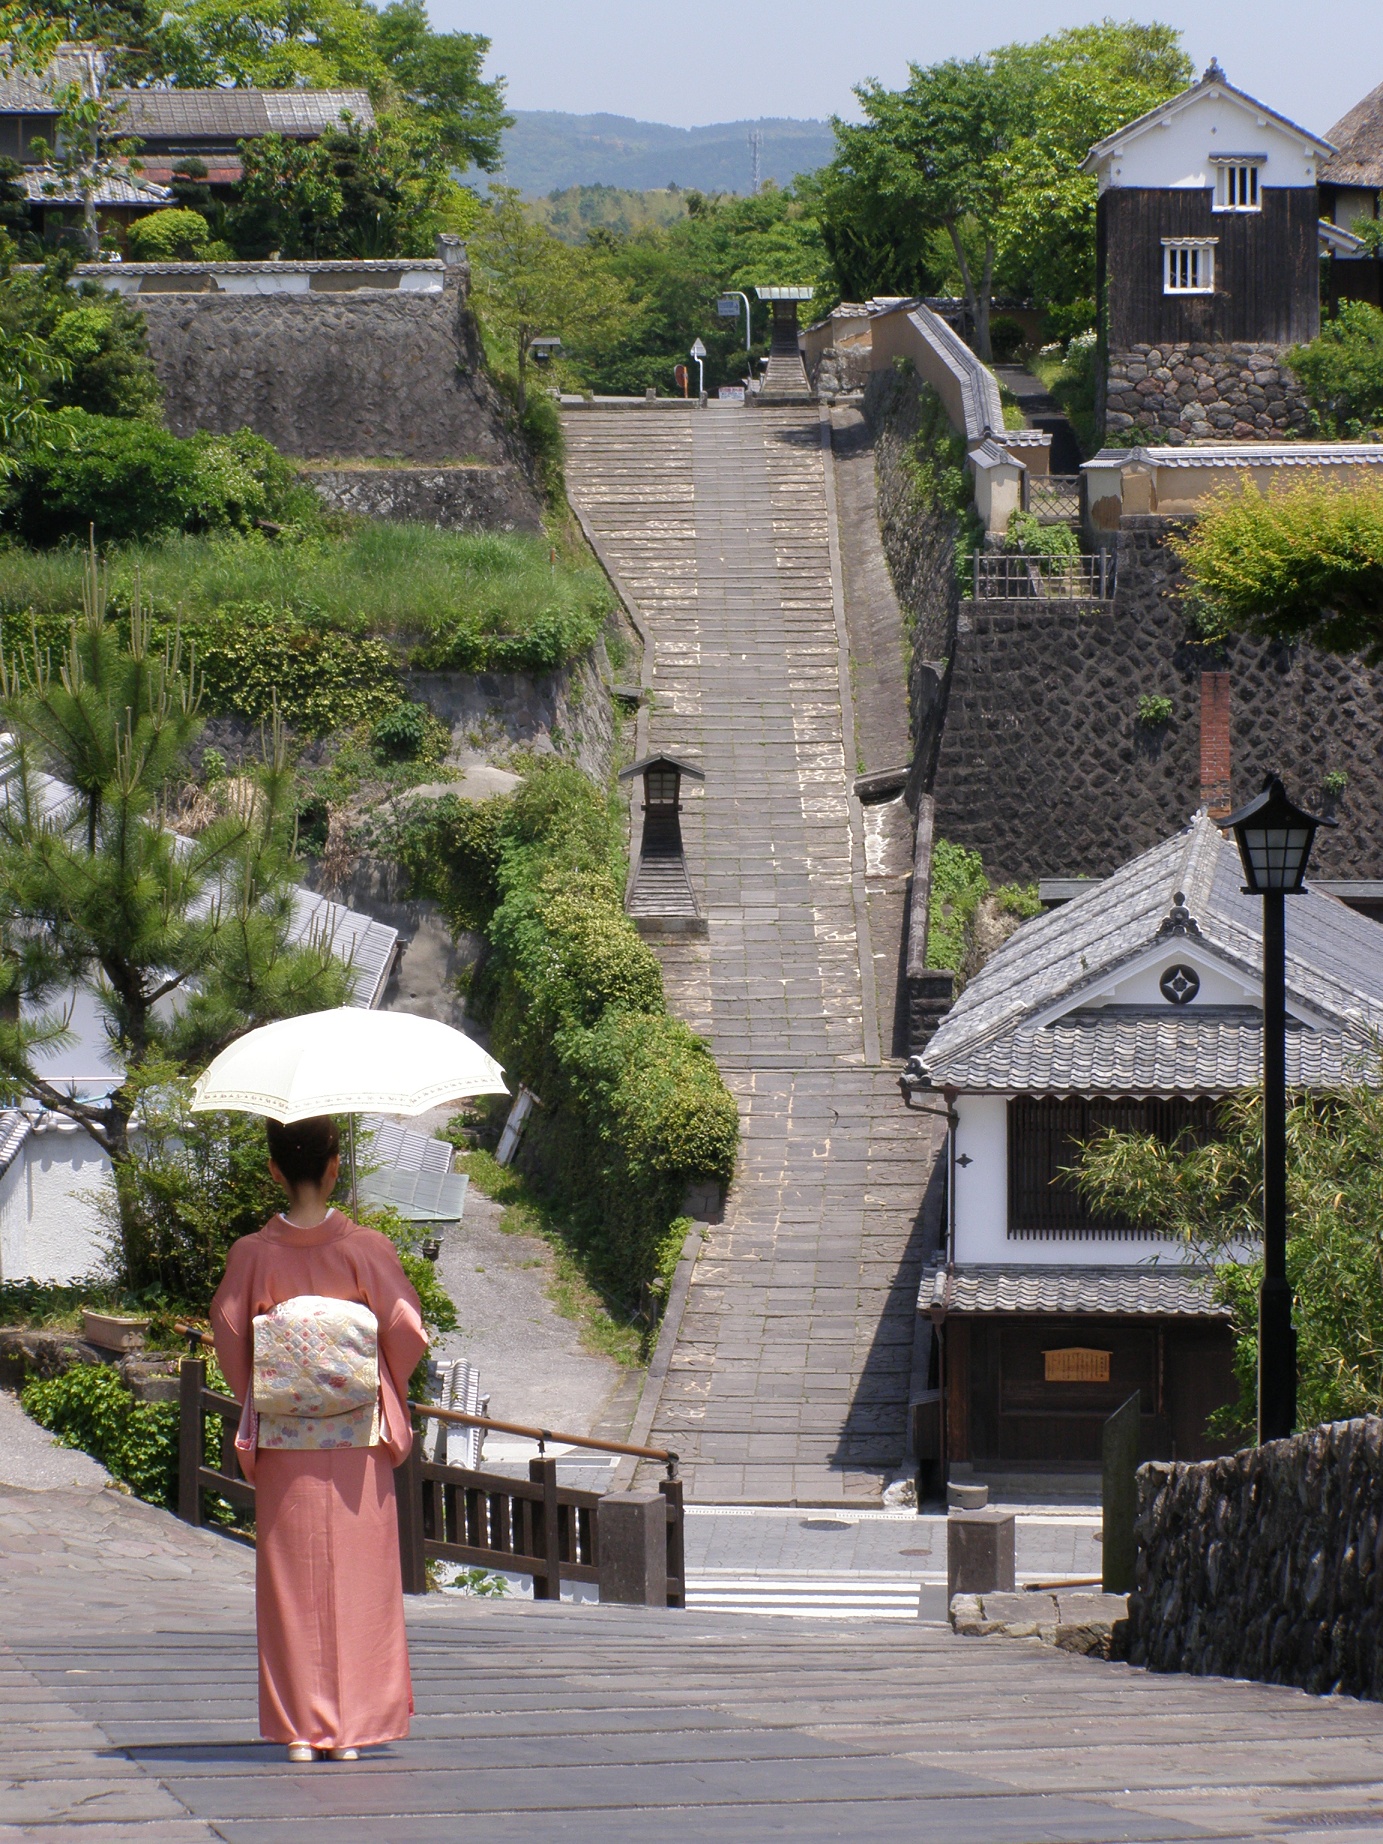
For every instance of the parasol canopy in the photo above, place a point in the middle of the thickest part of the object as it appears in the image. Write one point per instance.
(348, 1061)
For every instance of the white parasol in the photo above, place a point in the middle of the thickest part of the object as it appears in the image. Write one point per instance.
(348, 1061)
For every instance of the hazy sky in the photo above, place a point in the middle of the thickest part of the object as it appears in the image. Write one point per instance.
(721, 60)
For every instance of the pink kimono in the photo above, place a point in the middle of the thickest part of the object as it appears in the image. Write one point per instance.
(333, 1655)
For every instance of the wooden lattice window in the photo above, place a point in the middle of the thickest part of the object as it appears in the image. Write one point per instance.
(1045, 1137)
(1188, 266)
(660, 786)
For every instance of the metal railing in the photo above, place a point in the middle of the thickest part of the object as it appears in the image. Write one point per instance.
(482, 1520)
(1054, 498)
(1007, 578)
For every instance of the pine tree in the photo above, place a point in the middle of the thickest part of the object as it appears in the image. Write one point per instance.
(184, 943)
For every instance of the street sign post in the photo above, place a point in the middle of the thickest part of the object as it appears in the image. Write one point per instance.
(698, 352)
(728, 307)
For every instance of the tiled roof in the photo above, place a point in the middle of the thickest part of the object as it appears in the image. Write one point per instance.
(44, 186)
(1162, 1292)
(237, 114)
(1358, 138)
(369, 945)
(1248, 454)
(14, 1130)
(1000, 1034)
(21, 92)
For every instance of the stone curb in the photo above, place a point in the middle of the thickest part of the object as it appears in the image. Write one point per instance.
(1093, 1625)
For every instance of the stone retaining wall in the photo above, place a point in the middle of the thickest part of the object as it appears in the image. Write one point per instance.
(1025, 713)
(570, 712)
(366, 372)
(455, 498)
(1202, 393)
(1266, 1564)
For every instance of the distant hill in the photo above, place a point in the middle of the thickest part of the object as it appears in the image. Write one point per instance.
(546, 151)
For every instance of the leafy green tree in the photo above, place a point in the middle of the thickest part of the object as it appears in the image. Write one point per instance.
(1303, 562)
(1208, 1199)
(88, 149)
(438, 77)
(182, 944)
(987, 152)
(361, 192)
(432, 81)
(1341, 372)
(529, 284)
(89, 347)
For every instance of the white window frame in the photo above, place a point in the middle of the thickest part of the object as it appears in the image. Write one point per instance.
(1238, 182)
(1188, 265)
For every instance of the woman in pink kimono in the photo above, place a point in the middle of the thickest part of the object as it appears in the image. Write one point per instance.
(333, 1655)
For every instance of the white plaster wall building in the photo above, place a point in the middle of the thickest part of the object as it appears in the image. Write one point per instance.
(1137, 1006)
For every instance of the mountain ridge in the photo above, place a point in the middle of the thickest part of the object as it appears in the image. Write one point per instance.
(548, 150)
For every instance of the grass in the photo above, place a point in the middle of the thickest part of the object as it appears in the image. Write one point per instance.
(603, 1331)
(438, 594)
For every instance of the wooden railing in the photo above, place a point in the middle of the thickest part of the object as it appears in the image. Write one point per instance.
(534, 1526)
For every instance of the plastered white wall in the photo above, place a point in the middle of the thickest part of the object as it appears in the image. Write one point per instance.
(1177, 150)
(51, 1226)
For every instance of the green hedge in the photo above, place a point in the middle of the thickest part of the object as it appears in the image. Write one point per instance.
(89, 1407)
(132, 479)
(634, 1108)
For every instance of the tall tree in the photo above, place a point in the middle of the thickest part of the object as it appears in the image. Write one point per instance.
(987, 152)
(182, 944)
(529, 284)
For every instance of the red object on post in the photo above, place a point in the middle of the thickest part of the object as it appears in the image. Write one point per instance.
(679, 377)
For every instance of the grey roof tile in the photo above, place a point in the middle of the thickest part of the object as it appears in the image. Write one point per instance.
(993, 1037)
(1160, 1291)
(237, 114)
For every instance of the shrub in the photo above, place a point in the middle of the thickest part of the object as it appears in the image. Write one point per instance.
(132, 479)
(174, 236)
(1154, 710)
(1007, 336)
(1029, 537)
(255, 657)
(1341, 372)
(89, 1407)
(633, 1106)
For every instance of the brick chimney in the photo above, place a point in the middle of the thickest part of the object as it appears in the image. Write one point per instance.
(1216, 793)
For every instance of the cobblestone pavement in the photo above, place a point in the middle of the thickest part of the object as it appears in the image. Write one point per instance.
(127, 1672)
(790, 1378)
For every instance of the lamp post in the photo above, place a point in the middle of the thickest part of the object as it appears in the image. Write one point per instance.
(1274, 839)
(727, 306)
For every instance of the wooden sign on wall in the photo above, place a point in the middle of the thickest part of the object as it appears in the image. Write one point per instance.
(1076, 1364)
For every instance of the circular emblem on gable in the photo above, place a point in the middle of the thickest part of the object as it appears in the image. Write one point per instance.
(1179, 985)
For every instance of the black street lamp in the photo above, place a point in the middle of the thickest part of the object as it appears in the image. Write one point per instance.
(1274, 840)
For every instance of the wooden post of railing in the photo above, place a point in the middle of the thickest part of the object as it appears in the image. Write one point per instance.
(671, 1490)
(544, 1472)
(191, 1383)
(408, 1497)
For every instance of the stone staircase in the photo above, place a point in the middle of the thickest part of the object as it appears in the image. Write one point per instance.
(790, 1376)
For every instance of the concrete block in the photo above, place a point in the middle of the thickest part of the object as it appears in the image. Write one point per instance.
(980, 1549)
(633, 1548)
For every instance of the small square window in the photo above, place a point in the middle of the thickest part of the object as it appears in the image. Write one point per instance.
(1236, 186)
(1188, 268)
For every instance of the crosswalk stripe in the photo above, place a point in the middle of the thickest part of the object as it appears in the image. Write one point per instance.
(830, 1597)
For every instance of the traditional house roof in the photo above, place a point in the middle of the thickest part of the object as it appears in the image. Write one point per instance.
(23, 92)
(1129, 1292)
(44, 185)
(237, 115)
(1358, 138)
(1214, 80)
(1046, 1016)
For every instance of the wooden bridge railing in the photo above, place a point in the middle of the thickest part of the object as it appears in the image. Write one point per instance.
(627, 1543)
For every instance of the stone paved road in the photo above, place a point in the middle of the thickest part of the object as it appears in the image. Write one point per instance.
(127, 1672)
(790, 1378)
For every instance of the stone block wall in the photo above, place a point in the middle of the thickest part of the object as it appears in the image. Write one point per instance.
(1202, 393)
(1266, 1564)
(498, 498)
(570, 712)
(371, 371)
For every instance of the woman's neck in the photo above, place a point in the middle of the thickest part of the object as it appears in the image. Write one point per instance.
(306, 1212)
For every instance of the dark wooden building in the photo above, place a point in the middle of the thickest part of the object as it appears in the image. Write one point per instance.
(1137, 1005)
(1208, 266)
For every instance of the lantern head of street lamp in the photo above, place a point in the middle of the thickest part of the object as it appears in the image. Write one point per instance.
(1274, 839)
